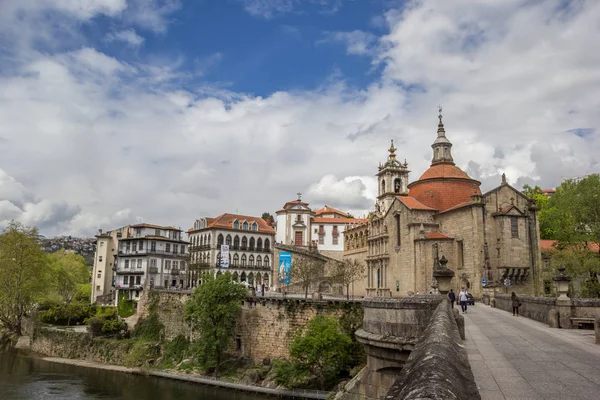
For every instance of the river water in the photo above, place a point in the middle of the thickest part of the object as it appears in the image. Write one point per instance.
(27, 378)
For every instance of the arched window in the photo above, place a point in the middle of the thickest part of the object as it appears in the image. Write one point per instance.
(259, 262)
(266, 261)
(251, 243)
(259, 244)
(254, 226)
(218, 260)
(245, 225)
(243, 277)
(397, 185)
(382, 186)
(235, 277)
(219, 240)
(243, 260)
(266, 279)
(251, 278)
(228, 240)
(236, 224)
(267, 245)
(251, 261)
(244, 243)
(208, 239)
(236, 242)
(236, 260)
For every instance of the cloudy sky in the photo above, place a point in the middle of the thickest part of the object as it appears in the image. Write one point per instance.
(163, 111)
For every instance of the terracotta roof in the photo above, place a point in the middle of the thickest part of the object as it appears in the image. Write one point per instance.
(341, 221)
(413, 203)
(444, 171)
(328, 210)
(436, 235)
(226, 221)
(551, 245)
(293, 203)
(143, 225)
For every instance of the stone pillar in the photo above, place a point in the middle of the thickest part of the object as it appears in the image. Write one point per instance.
(443, 275)
(563, 302)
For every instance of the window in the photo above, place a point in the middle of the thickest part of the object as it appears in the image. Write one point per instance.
(219, 240)
(141, 245)
(138, 280)
(251, 261)
(382, 187)
(244, 243)
(236, 259)
(259, 262)
(321, 234)
(119, 235)
(267, 261)
(183, 249)
(398, 240)
(267, 245)
(335, 240)
(168, 247)
(167, 264)
(153, 246)
(174, 249)
(460, 253)
(139, 263)
(182, 265)
(251, 243)
(397, 185)
(514, 227)
(298, 218)
(153, 262)
(228, 240)
(245, 225)
(100, 258)
(175, 264)
(128, 246)
(127, 264)
(243, 260)
(138, 231)
(254, 226)
(101, 244)
(99, 274)
(157, 232)
(236, 224)
(236, 242)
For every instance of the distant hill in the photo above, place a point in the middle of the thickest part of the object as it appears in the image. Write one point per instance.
(83, 246)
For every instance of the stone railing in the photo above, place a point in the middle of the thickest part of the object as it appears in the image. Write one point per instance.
(537, 308)
(438, 367)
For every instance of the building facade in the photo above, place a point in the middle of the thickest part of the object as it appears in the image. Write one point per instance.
(249, 242)
(105, 254)
(489, 239)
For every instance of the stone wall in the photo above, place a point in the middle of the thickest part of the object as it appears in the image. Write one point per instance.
(266, 326)
(75, 345)
(438, 367)
(537, 308)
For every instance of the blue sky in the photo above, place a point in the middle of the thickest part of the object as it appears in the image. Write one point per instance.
(164, 111)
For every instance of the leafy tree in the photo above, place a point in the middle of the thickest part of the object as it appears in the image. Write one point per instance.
(581, 264)
(268, 217)
(319, 353)
(69, 270)
(347, 272)
(305, 270)
(348, 215)
(213, 309)
(23, 271)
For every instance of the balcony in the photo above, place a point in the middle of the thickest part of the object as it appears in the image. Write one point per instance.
(129, 271)
(151, 252)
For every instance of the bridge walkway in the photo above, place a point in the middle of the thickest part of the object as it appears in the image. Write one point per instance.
(522, 359)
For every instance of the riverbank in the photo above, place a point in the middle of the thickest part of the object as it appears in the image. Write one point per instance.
(203, 380)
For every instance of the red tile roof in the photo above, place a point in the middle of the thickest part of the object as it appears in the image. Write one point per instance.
(413, 203)
(330, 210)
(293, 203)
(444, 171)
(436, 236)
(551, 245)
(225, 221)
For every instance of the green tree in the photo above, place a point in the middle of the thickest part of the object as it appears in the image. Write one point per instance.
(69, 271)
(268, 218)
(320, 352)
(23, 272)
(348, 272)
(581, 264)
(305, 271)
(213, 309)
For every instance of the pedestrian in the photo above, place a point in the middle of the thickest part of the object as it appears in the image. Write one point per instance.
(452, 297)
(463, 299)
(516, 303)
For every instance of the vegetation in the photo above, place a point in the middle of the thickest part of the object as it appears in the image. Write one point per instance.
(348, 272)
(149, 328)
(268, 218)
(213, 310)
(125, 307)
(23, 275)
(318, 356)
(68, 271)
(305, 270)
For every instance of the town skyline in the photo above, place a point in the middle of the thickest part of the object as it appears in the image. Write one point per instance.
(130, 111)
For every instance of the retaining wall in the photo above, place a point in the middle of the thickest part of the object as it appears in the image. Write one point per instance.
(538, 308)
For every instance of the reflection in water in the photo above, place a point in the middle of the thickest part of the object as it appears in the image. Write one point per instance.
(23, 377)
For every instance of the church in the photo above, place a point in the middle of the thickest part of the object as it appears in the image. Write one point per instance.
(491, 240)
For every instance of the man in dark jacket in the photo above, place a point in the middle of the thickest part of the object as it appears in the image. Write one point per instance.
(452, 297)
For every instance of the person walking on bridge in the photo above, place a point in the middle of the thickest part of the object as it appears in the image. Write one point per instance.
(451, 297)
(516, 303)
(462, 296)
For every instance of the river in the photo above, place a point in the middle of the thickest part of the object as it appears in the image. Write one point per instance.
(28, 378)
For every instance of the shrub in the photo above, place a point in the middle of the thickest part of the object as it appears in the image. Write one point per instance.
(95, 325)
(142, 354)
(149, 328)
(126, 307)
(113, 326)
(176, 350)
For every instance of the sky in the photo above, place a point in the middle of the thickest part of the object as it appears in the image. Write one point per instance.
(164, 111)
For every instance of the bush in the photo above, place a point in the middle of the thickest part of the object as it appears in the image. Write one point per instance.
(142, 354)
(71, 314)
(149, 328)
(113, 326)
(292, 375)
(176, 350)
(95, 325)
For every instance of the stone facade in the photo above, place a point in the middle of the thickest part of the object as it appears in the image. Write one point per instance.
(492, 236)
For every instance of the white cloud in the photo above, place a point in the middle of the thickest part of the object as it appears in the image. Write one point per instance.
(129, 36)
(357, 42)
(272, 8)
(89, 141)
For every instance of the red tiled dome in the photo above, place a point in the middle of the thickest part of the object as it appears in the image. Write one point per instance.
(444, 186)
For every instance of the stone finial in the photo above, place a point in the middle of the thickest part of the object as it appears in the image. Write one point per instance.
(503, 178)
(562, 283)
(299, 196)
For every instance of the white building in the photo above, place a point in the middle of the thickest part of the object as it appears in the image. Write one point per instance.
(127, 257)
(249, 239)
(298, 225)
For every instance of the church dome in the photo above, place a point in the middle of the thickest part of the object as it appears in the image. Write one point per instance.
(443, 185)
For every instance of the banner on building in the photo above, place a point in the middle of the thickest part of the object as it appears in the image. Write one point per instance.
(224, 262)
(285, 267)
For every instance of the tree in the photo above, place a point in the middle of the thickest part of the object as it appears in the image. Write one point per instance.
(321, 350)
(581, 264)
(69, 271)
(347, 272)
(305, 270)
(213, 309)
(269, 218)
(23, 272)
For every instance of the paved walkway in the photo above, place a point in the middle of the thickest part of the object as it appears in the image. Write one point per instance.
(521, 359)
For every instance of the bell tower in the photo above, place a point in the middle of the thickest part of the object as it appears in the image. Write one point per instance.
(392, 180)
(441, 146)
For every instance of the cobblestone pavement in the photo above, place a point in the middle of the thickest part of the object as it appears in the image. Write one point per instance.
(521, 359)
